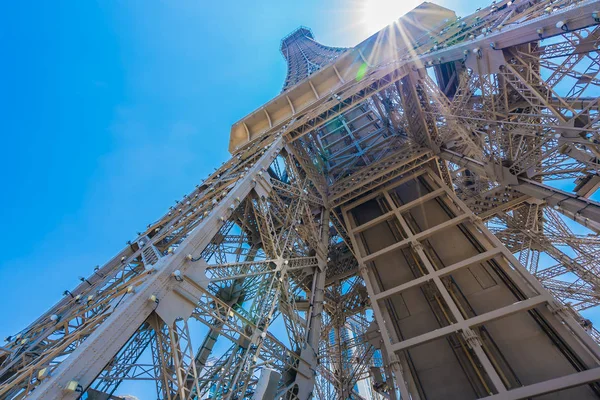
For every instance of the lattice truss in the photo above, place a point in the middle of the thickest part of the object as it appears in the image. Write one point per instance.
(254, 270)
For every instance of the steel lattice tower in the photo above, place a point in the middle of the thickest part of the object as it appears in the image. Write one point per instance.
(377, 233)
(304, 55)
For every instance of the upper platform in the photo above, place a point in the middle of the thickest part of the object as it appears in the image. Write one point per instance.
(316, 72)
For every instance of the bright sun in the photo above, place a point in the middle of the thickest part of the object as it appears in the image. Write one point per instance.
(380, 13)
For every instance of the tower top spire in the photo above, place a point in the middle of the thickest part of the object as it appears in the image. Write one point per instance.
(304, 55)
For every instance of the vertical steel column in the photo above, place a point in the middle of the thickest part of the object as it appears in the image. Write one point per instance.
(314, 317)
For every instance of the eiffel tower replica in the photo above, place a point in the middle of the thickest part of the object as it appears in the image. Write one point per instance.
(386, 228)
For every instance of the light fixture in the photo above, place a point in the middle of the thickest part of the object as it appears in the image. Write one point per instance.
(153, 299)
(42, 373)
(596, 16)
(74, 386)
(177, 275)
(562, 25)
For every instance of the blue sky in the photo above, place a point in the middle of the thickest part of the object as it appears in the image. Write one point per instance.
(111, 110)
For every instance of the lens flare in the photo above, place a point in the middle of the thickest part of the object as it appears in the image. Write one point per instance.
(377, 14)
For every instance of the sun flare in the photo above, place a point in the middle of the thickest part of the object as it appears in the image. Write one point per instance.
(377, 14)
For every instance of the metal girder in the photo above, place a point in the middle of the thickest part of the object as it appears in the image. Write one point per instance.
(581, 209)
